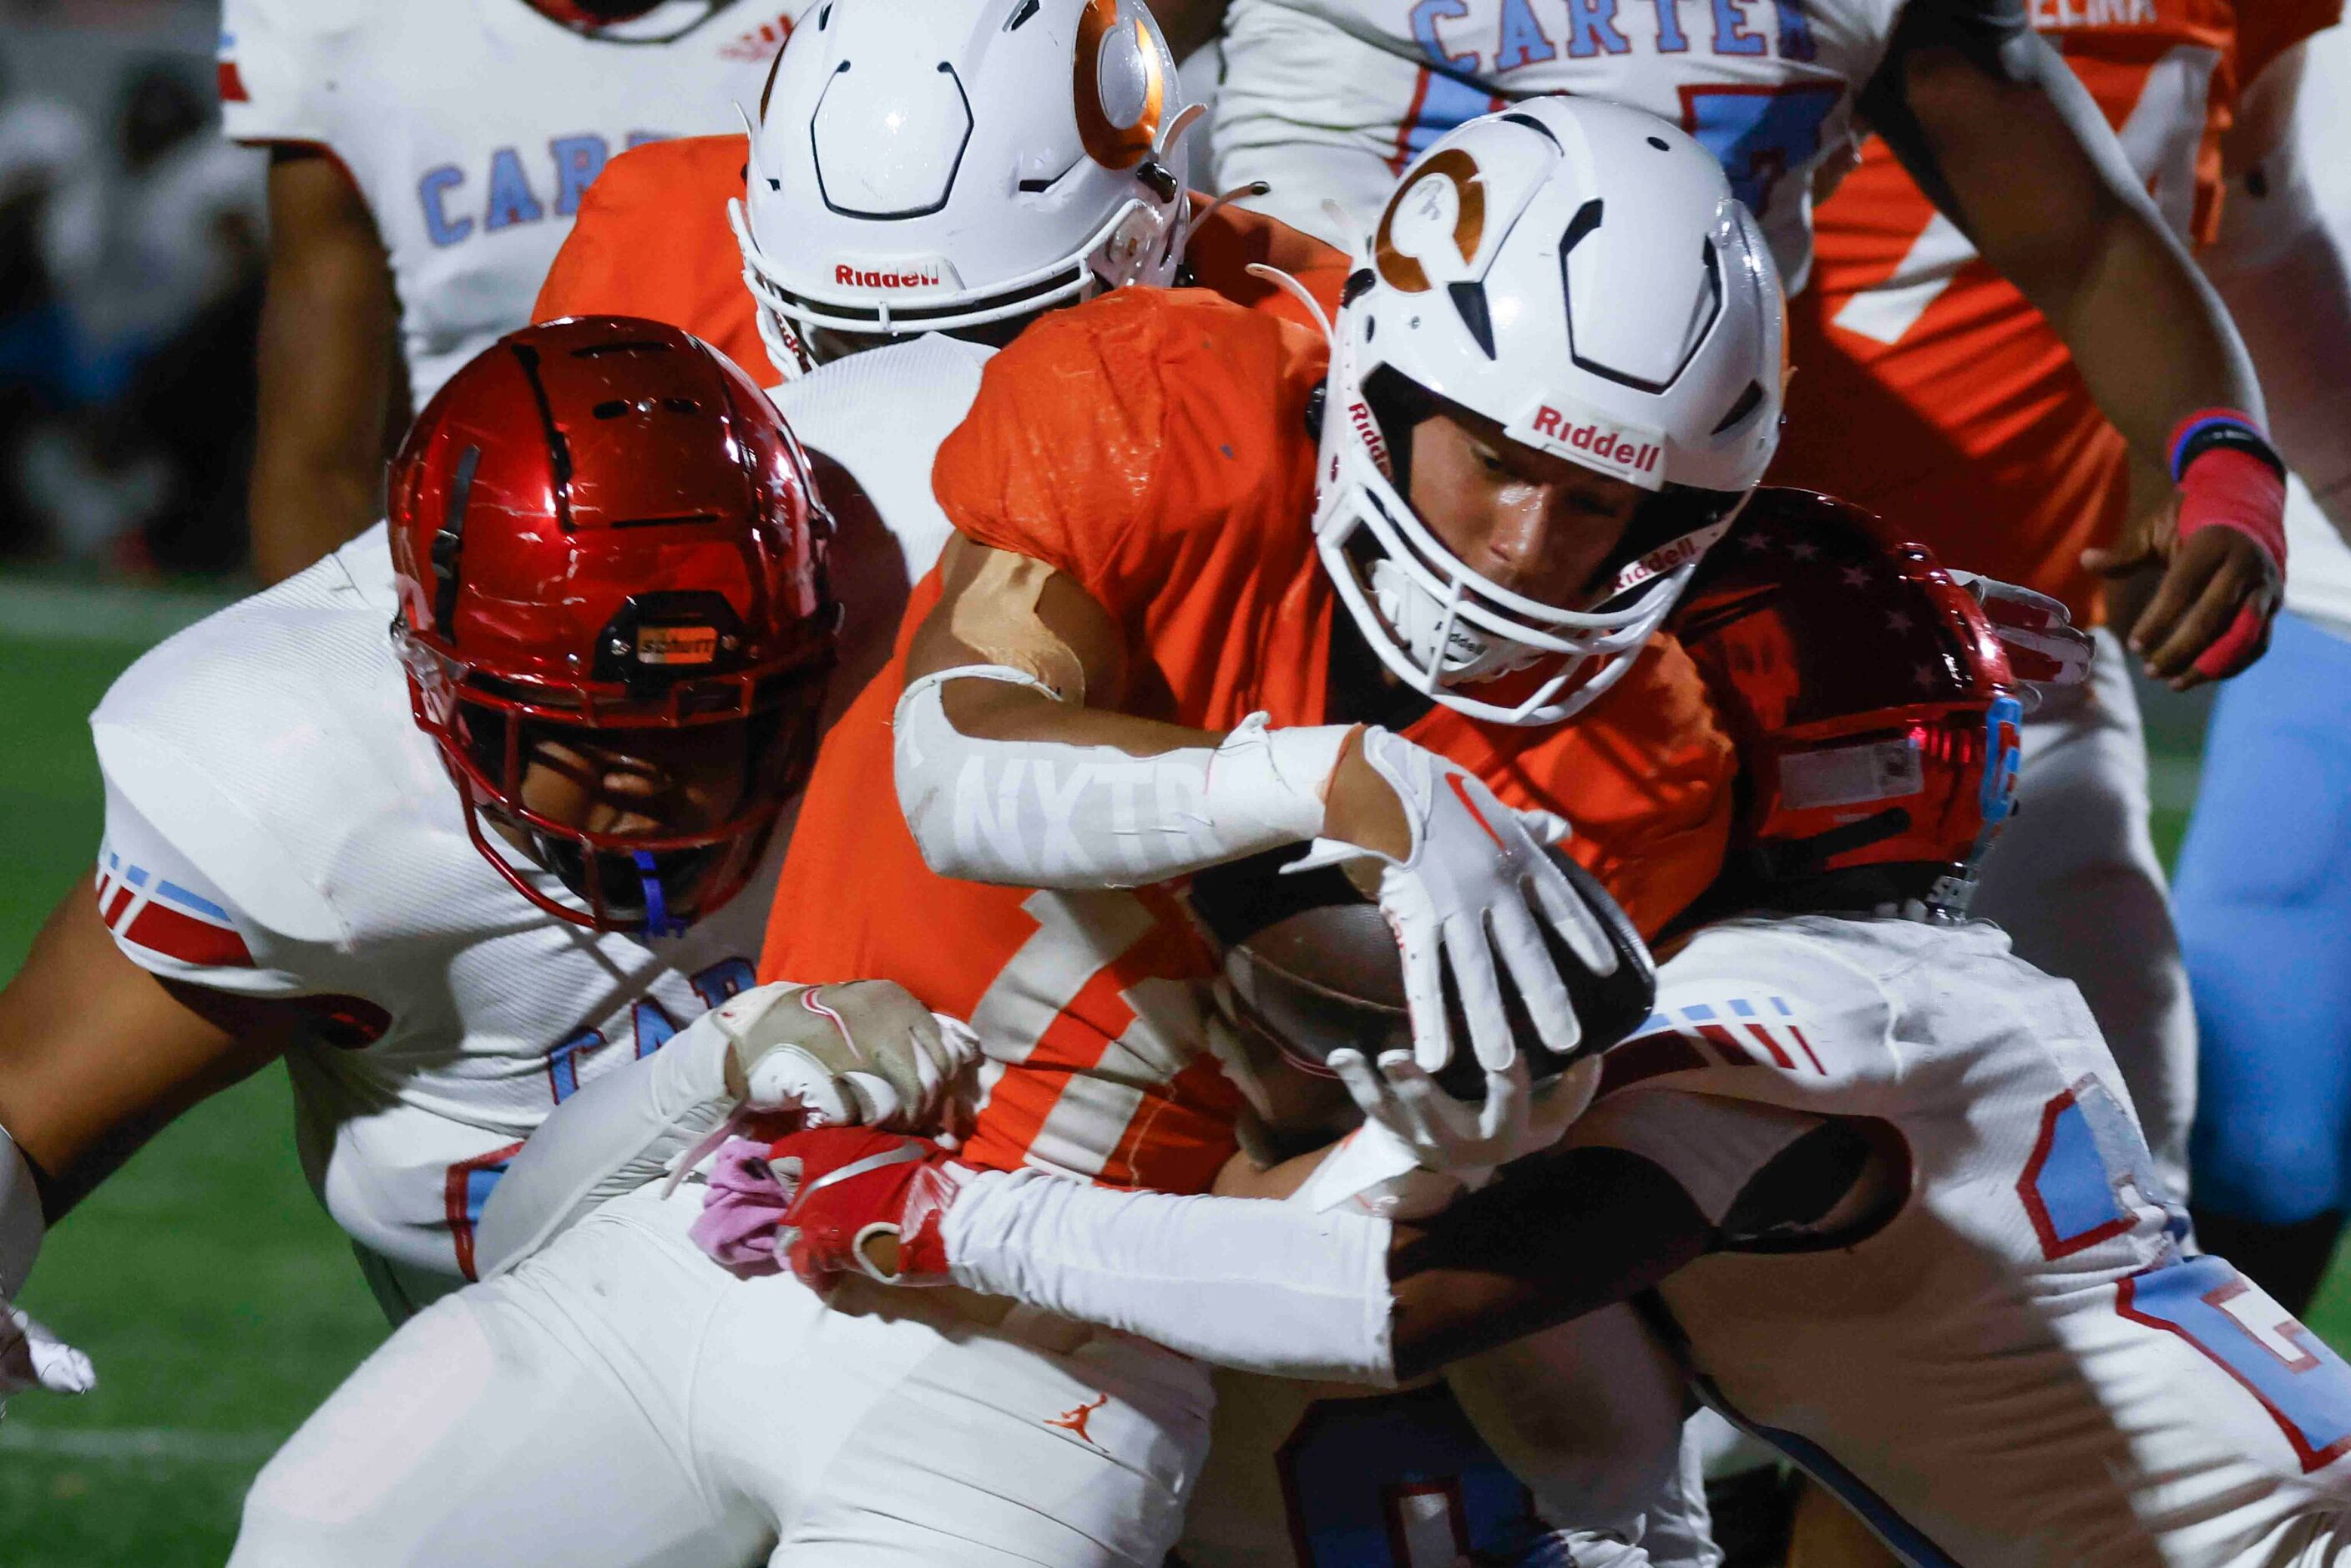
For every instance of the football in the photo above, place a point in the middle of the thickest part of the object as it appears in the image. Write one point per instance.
(1313, 966)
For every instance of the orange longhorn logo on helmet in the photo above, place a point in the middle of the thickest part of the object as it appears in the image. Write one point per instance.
(1402, 269)
(1107, 142)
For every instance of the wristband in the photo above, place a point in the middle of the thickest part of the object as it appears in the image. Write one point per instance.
(2231, 478)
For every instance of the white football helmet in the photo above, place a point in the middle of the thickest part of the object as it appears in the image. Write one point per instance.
(941, 166)
(1579, 273)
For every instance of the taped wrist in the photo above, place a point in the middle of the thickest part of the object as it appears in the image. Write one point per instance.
(1268, 1287)
(22, 1226)
(1035, 813)
(2230, 477)
(1372, 1171)
(619, 1131)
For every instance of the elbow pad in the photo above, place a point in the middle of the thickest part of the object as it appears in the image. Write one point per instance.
(22, 1225)
(619, 1132)
(1037, 813)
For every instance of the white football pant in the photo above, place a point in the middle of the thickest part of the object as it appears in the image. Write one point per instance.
(2073, 879)
(620, 1401)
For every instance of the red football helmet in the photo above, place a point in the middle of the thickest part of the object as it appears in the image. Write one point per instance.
(602, 528)
(593, 17)
(1872, 706)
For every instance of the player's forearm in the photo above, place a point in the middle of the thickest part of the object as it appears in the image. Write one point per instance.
(622, 1130)
(2012, 147)
(1269, 1287)
(97, 1054)
(326, 356)
(1038, 792)
(2150, 335)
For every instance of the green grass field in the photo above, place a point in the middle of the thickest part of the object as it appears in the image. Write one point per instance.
(217, 1300)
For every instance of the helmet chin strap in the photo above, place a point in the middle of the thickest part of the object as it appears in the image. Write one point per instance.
(659, 921)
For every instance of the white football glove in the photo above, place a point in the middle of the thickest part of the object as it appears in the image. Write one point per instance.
(1516, 1118)
(864, 1053)
(2046, 652)
(1478, 868)
(32, 1357)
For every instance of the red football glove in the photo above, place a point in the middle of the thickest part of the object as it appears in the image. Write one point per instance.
(865, 1202)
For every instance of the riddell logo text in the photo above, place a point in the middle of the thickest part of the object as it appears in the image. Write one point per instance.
(1369, 428)
(1605, 445)
(859, 277)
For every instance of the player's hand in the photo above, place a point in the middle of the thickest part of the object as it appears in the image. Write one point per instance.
(2046, 652)
(865, 1202)
(1471, 884)
(2210, 614)
(2221, 538)
(32, 1357)
(864, 1054)
(1516, 1118)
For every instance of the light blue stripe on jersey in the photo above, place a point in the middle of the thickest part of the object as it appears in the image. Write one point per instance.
(1896, 1531)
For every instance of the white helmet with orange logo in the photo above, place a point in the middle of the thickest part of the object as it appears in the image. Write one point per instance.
(1579, 273)
(942, 166)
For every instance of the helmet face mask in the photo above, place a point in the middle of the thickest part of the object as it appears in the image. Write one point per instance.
(604, 533)
(990, 160)
(1579, 274)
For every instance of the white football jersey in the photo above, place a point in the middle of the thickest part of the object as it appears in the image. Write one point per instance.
(2022, 1365)
(1328, 100)
(277, 825)
(472, 127)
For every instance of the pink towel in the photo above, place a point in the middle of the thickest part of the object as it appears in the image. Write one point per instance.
(742, 1208)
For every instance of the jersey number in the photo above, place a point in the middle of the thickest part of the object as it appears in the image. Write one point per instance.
(1759, 133)
(2304, 1386)
(1401, 1480)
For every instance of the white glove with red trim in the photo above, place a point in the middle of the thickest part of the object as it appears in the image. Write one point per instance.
(1476, 883)
(2046, 650)
(864, 1053)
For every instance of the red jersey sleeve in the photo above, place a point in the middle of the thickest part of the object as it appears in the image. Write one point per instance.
(651, 240)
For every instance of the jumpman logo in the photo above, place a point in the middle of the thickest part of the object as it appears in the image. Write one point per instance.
(1075, 1420)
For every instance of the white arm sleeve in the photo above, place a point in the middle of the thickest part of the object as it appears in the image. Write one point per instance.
(22, 1226)
(1272, 1288)
(618, 1133)
(2279, 266)
(1046, 815)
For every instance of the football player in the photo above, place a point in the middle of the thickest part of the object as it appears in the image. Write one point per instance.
(288, 871)
(1881, 1178)
(929, 1434)
(1321, 99)
(426, 159)
(2261, 895)
(1957, 409)
(592, 1463)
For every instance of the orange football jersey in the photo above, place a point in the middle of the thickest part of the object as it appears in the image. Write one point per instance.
(652, 239)
(1154, 446)
(1926, 389)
